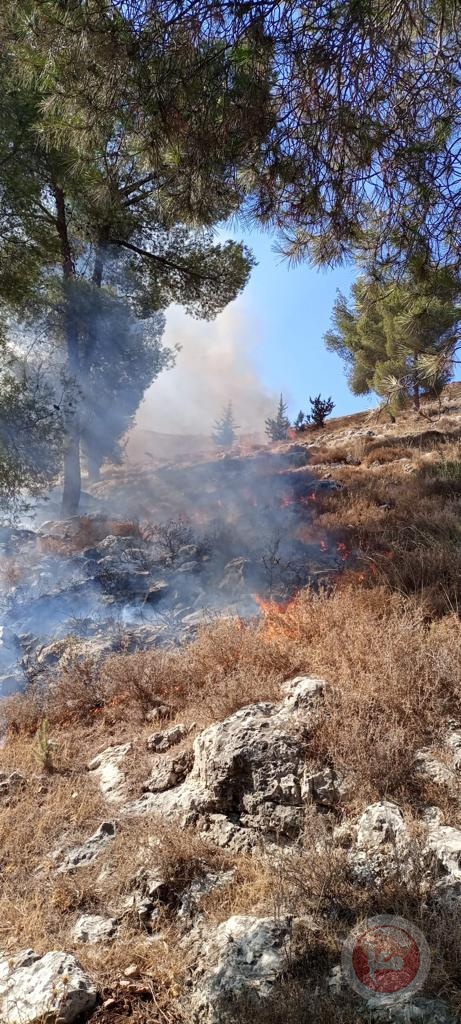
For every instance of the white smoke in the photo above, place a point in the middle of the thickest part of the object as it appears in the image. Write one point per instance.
(216, 365)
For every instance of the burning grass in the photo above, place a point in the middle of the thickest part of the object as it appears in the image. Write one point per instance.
(394, 680)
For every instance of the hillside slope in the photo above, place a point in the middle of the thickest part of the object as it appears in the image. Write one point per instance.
(206, 822)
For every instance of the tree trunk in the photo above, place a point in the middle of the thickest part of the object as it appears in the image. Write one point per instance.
(72, 476)
(72, 470)
(416, 388)
(90, 341)
(94, 468)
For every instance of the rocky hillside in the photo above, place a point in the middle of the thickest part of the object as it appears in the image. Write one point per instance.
(225, 756)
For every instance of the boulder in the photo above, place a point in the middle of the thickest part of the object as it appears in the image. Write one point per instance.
(382, 844)
(238, 962)
(107, 765)
(447, 892)
(51, 988)
(433, 769)
(251, 764)
(247, 773)
(93, 928)
(445, 843)
(80, 856)
(10, 784)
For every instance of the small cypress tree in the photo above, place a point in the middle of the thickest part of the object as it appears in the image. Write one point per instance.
(277, 428)
(225, 429)
(301, 422)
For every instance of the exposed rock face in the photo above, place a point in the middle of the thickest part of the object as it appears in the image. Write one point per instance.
(247, 776)
(322, 787)
(168, 772)
(94, 929)
(418, 1011)
(162, 741)
(52, 988)
(240, 960)
(383, 844)
(445, 843)
(80, 856)
(107, 765)
(10, 784)
(252, 763)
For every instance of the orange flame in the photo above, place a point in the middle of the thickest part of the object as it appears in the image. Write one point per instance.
(278, 623)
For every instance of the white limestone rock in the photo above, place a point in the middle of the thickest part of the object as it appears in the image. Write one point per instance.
(52, 987)
(107, 765)
(94, 929)
(80, 856)
(239, 960)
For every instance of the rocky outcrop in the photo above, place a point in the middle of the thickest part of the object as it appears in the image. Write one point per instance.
(445, 843)
(418, 1011)
(107, 766)
(382, 848)
(93, 928)
(51, 988)
(247, 781)
(238, 962)
(10, 784)
(168, 772)
(81, 856)
(166, 738)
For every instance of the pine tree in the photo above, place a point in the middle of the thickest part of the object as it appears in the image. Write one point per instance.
(398, 336)
(320, 409)
(99, 207)
(277, 428)
(225, 428)
(301, 422)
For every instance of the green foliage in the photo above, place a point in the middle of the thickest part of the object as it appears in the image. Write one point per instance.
(31, 433)
(306, 115)
(301, 422)
(398, 337)
(320, 409)
(120, 147)
(277, 428)
(44, 746)
(225, 429)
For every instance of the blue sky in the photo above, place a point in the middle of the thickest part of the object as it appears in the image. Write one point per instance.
(293, 308)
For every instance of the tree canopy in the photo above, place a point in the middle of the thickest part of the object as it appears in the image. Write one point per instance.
(101, 199)
(225, 428)
(277, 427)
(309, 116)
(398, 337)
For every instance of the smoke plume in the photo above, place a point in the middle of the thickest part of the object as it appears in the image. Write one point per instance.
(214, 366)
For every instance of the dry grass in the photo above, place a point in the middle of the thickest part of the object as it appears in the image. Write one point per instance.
(87, 532)
(330, 454)
(386, 640)
(387, 453)
(394, 680)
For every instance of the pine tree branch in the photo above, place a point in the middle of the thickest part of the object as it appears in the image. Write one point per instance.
(170, 264)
